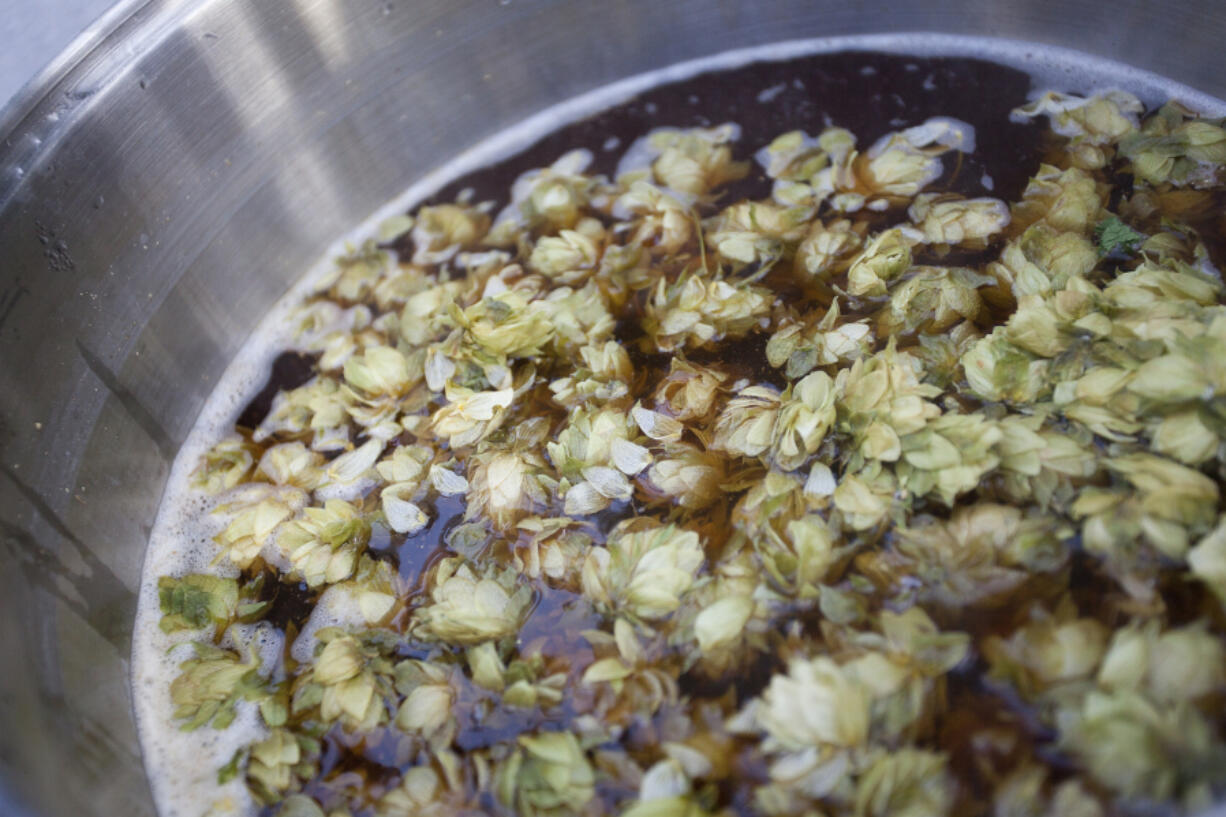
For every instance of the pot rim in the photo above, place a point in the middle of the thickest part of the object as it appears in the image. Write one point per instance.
(78, 50)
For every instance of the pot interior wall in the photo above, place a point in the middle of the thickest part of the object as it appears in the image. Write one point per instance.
(175, 172)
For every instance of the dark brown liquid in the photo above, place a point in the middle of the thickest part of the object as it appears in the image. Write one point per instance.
(289, 371)
(986, 730)
(868, 93)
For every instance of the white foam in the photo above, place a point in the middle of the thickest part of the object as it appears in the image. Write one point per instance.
(182, 766)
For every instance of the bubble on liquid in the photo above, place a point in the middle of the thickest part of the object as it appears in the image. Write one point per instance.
(767, 95)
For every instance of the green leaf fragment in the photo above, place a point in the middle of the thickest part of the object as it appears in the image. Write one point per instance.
(196, 601)
(1116, 237)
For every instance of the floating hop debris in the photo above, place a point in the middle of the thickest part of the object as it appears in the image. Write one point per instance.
(693, 312)
(254, 523)
(884, 258)
(348, 682)
(212, 684)
(293, 464)
(689, 475)
(1176, 147)
(644, 570)
(722, 622)
(790, 425)
(275, 764)
(747, 425)
(507, 326)
(596, 454)
(508, 486)
(225, 465)
(548, 775)
(594, 553)
(429, 695)
(196, 601)
(444, 230)
(696, 161)
(324, 544)
(568, 258)
(424, 791)
(944, 220)
(834, 711)
(800, 349)
(470, 416)
(467, 608)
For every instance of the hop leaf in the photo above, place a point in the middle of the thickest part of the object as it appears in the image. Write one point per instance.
(324, 544)
(1114, 237)
(210, 686)
(469, 608)
(196, 601)
(644, 570)
(548, 776)
(816, 703)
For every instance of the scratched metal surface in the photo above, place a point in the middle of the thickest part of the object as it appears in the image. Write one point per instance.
(172, 173)
(31, 34)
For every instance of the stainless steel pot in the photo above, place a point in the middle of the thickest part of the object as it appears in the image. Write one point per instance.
(164, 181)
